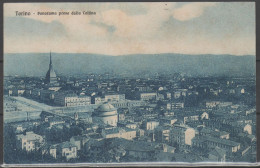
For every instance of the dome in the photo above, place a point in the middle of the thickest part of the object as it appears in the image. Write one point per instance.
(106, 107)
(106, 113)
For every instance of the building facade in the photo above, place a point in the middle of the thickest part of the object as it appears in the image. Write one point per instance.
(29, 142)
(70, 100)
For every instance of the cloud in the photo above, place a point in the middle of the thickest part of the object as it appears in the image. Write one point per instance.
(191, 10)
(32, 27)
(121, 28)
(100, 24)
(143, 25)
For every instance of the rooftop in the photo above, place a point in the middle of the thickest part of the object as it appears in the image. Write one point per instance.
(66, 145)
(30, 136)
(217, 140)
(218, 152)
(106, 107)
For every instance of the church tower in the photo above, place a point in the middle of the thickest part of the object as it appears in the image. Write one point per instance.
(51, 77)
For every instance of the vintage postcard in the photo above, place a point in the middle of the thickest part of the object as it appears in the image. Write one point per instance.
(128, 82)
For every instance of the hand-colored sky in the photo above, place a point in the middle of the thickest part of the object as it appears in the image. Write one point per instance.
(130, 28)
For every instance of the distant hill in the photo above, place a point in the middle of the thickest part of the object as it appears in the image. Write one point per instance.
(36, 64)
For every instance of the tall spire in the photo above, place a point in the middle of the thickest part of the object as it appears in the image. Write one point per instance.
(51, 75)
(50, 59)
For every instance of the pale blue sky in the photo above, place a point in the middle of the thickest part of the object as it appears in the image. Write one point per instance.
(130, 28)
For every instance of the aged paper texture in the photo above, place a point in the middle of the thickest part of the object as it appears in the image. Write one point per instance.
(129, 82)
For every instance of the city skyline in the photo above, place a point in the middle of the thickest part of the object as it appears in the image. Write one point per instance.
(121, 28)
(101, 119)
(168, 83)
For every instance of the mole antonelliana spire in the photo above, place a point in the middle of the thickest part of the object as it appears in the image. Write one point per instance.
(51, 77)
(50, 59)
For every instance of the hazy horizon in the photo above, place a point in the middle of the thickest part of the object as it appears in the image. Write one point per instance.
(129, 54)
(78, 63)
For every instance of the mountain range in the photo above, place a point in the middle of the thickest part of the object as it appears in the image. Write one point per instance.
(37, 64)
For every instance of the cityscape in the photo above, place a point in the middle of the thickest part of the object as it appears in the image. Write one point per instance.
(106, 118)
(129, 83)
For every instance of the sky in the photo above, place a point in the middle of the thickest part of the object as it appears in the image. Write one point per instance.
(132, 28)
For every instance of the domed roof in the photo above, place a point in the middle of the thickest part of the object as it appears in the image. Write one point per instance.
(106, 107)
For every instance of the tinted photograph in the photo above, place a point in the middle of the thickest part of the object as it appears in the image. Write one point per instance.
(129, 82)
